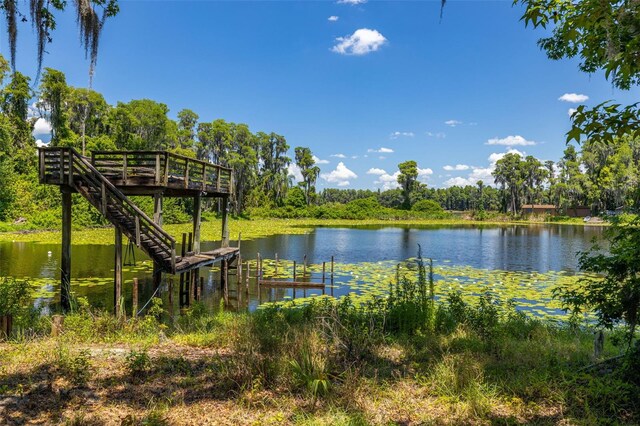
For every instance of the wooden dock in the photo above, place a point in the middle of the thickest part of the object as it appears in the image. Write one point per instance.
(108, 178)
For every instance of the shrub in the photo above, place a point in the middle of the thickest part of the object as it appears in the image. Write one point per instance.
(427, 206)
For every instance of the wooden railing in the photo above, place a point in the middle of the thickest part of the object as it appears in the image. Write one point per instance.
(162, 168)
(65, 166)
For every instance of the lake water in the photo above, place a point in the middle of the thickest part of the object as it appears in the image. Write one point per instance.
(524, 250)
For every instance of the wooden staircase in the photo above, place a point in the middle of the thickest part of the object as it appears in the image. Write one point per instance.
(65, 166)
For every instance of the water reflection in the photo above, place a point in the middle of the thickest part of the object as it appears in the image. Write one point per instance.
(513, 248)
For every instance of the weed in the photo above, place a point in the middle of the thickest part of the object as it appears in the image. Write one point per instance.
(138, 363)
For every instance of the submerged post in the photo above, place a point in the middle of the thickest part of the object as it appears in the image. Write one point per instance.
(225, 224)
(117, 281)
(197, 218)
(65, 266)
(157, 218)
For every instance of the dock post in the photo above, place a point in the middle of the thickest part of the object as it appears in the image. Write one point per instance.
(117, 281)
(225, 222)
(134, 298)
(197, 219)
(246, 283)
(65, 274)
(324, 269)
(331, 270)
(276, 273)
(224, 275)
(157, 218)
(304, 267)
(170, 291)
(201, 289)
(294, 270)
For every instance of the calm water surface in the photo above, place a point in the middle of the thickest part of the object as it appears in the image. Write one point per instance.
(538, 248)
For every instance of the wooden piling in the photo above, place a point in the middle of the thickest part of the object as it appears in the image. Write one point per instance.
(224, 269)
(276, 267)
(324, 269)
(197, 219)
(294, 270)
(57, 324)
(157, 218)
(246, 285)
(304, 267)
(65, 264)
(331, 269)
(170, 291)
(225, 222)
(117, 288)
(134, 298)
(6, 324)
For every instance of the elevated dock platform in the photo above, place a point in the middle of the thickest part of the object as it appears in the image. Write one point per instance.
(108, 178)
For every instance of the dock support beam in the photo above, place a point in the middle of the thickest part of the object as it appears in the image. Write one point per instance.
(197, 218)
(225, 222)
(157, 218)
(65, 266)
(117, 279)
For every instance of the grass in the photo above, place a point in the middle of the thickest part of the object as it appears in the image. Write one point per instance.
(403, 359)
(256, 228)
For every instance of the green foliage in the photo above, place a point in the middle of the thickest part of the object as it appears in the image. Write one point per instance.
(309, 171)
(310, 372)
(75, 368)
(295, 198)
(138, 363)
(16, 301)
(427, 206)
(408, 181)
(615, 292)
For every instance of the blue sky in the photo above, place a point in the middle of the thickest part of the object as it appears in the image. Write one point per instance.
(381, 83)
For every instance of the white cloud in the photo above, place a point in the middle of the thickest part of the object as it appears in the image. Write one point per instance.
(388, 181)
(338, 155)
(340, 176)
(382, 157)
(41, 127)
(294, 170)
(361, 42)
(354, 157)
(493, 158)
(40, 144)
(571, 111)
(573, 98)
(375, 171)
(381, 150)
(457, 167)
(424, 172)
(453, 123)
(319, 161)
(516, 140)
(437, 135)
(480, 173)
(333, 18)
(396, 135)
(352, 2)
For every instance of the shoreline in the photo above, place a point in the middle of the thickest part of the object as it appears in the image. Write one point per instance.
(261, 227)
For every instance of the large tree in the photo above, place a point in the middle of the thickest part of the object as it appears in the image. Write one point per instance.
(54, 92)
(408, 179)
(309, 171)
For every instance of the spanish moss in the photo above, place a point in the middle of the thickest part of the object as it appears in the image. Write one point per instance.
(11, 12)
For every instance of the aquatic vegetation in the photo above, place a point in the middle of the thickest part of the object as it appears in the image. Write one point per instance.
(250, 229)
